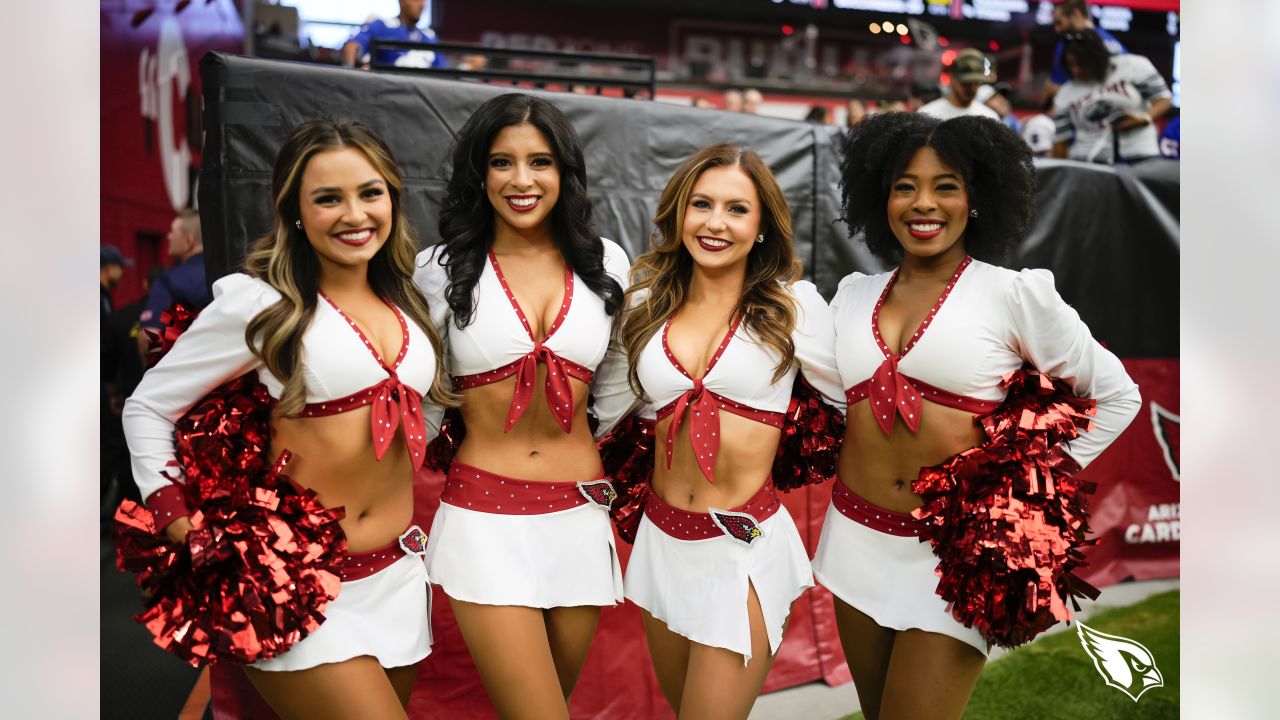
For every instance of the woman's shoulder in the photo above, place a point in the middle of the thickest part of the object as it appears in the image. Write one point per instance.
(616, 262)
(429, 271)
(243, 294)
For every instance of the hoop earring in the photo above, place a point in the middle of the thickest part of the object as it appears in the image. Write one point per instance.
(760, 238)
(297, 224)
(973, 213)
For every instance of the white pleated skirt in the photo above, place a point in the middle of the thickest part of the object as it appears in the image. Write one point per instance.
(699, 587)
(889, 578)
(557, 559)
(386, 615)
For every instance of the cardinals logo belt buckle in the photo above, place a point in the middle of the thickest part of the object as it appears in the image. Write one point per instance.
(598, 492)
(739, 526)
(414, 541)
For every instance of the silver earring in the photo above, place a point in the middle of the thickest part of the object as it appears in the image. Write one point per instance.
(297, 224)
(973, 212)
(481, 184)
(760, 238)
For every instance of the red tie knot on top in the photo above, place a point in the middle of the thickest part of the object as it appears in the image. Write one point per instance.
(697, 388)
(556, 387)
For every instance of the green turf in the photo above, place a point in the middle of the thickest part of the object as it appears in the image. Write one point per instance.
(1054, 678)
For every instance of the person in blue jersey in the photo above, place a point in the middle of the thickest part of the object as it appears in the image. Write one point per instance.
(405, 27)
(1073, 16)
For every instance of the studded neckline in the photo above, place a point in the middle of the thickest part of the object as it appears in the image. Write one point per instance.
(928, 318)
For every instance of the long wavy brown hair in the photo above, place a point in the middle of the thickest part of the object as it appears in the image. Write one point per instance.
(285, 259)
(660, 277)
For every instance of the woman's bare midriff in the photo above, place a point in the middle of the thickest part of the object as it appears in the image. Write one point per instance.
(743, 464)
(880, 468)
(536, 448)
(333, 455)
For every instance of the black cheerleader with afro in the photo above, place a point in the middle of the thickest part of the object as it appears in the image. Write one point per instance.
(993, 160)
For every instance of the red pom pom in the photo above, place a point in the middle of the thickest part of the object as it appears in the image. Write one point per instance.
(444, 446)
(1008, 519)
(174, 321)
(809, 451)
(256, 572)
(627, 456)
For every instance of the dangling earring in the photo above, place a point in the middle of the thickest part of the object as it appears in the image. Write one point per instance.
(297, 224)
(760, 238)
(973, 212)
(481, 184)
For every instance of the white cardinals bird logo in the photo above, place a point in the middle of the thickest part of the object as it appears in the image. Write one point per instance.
(1125, 664)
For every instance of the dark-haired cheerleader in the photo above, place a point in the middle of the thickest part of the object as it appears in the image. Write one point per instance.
(923, 351)
(326, 317)
(524, 292)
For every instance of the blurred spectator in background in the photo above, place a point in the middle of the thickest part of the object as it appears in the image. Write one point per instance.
(999, 97)
(184, 282)
(1171, 139)
(1038, 131)
(1073, 16)
(896, 106)
(751, 99)
(111, 266)
(733, 100)
(1109, 104)
(473, 61)
(856, 110)
(403, 27)
(969, 71)
(125, 372)
(110, 269)
(817, 115)
(703, 102)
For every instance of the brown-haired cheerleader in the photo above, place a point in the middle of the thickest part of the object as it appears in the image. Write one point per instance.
(327, 317)
(716, 330)
(944, 421)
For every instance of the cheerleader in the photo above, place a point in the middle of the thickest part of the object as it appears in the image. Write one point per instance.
(327, 316)
(922, 351)
(716, 330)
(524, 293)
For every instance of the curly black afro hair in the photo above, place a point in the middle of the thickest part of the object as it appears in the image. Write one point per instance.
(993, 160)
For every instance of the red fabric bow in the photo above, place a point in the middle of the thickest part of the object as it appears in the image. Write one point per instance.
(704, 427)
(397, 403)
(891, 394)
(556, 387)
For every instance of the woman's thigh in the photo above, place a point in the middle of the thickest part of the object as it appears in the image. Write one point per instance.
(353, 688)
(867, 649)
(718, 684)
(512, 651)
(931, 676)
(569, 632)
(670, 654)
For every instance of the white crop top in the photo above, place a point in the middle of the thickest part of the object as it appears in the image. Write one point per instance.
(739, 376)
(499, 343)
(987, 323)
(341, 372)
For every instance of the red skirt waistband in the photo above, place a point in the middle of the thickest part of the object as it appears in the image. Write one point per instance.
(483, 491)
(875, 517)
(357, 566)
(740, 523)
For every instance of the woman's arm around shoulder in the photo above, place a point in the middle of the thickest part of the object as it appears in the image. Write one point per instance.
(613, 398)
(1048, 332)
(815, 342)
